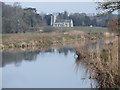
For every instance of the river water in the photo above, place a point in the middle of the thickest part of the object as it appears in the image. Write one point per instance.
(53, 68)
(50, 68)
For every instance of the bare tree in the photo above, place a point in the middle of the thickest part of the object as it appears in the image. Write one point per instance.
(108, 6)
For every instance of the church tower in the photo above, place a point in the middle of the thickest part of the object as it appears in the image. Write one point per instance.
(53, 20)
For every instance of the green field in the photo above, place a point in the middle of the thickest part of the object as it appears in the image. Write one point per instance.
(80, 28)
(86, 29)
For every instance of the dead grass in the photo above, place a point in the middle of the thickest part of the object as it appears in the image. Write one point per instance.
(103, 65)
(45, 39)
(38, 39)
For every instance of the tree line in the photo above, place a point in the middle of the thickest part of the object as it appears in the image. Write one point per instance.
(16, 19)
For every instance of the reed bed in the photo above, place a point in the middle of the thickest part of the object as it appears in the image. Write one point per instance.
(102, 62)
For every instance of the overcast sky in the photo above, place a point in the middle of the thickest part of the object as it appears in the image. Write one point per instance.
(71, 7)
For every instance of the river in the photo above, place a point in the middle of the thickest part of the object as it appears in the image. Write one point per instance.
(50, 68)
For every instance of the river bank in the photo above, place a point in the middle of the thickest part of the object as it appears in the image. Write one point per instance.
(97, 51)
(101, 59)
(45, 39)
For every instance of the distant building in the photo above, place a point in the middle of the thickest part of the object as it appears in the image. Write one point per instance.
(61, 22)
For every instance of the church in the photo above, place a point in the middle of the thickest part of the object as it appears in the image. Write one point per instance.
(61, 22)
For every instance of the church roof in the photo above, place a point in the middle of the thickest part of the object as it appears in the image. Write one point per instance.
(63, 20)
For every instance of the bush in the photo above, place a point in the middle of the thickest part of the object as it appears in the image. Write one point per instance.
(113, 24)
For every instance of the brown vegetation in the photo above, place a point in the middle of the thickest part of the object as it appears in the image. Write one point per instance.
(25, 40)
(113, 24)
(102, 62)
(37, 39)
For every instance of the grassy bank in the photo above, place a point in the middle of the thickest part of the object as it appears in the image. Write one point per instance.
(59, 35)
(37, 39)
(102, 62)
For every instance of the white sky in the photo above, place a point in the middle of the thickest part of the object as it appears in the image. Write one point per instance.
(71, 7)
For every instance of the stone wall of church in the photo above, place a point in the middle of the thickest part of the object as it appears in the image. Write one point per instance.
(60, 24)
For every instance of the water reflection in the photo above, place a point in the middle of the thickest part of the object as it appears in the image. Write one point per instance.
(18, 57)
(53, 66)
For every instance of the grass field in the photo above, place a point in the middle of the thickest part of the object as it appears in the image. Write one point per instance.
(86, 29)
(79, 28)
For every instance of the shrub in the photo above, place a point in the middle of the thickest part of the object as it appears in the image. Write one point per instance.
(113, 25)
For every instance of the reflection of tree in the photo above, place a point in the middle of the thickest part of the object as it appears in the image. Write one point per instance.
(30, 55)
(17, 58)
(65, 50)
(78, 61)
(102, 63)
(49, 50)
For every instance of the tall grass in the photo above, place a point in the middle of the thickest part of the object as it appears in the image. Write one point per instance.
(102, 62)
